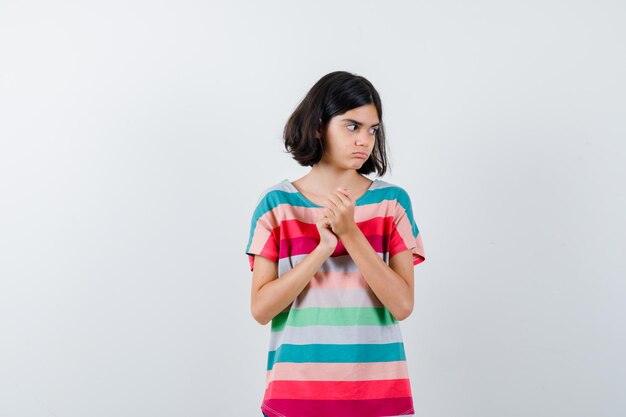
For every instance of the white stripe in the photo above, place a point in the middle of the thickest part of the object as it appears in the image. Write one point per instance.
(342, 335)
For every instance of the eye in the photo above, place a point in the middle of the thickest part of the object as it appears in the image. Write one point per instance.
(351, 125)
(374, 130)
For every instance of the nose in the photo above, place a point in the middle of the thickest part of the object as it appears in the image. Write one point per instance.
(364, 138)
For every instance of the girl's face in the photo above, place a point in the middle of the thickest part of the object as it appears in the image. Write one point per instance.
(350, 137)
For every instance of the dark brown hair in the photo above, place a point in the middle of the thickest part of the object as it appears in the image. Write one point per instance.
(335, 93)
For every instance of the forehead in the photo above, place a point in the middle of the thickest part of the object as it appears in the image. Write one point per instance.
(366, 114)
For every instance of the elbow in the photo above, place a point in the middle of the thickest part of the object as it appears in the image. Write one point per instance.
(255, 309)
(258, 316)
(260, 319)
(405, 312)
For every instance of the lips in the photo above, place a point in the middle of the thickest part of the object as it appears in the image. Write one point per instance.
(360, 155)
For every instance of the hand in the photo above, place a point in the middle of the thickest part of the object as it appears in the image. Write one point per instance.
(339, 211)
(328, 239)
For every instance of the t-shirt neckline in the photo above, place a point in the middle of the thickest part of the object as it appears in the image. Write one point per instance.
(306, 200)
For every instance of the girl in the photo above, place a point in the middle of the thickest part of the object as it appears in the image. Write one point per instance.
(332, 258)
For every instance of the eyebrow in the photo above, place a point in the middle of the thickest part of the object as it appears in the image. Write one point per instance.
(357, 122)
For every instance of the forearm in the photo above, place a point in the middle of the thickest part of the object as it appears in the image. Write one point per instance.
(277, 294)
(387, 285)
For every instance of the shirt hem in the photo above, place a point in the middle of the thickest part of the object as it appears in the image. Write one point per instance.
(273, 413)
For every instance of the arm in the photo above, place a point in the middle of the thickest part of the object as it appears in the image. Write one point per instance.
(393, 283)
(270, 295)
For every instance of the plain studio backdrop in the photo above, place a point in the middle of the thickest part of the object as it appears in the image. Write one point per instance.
(137, 136)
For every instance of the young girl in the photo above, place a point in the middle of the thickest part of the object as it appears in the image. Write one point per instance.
(332, 258)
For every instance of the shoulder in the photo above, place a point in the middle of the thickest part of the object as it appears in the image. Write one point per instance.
(391, 191)
(401, 200)
(272, 196)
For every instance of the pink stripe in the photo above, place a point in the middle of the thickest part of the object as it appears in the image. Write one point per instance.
(260, 238)
(339, 408)
(418, 251)
(265, 238)
(326, 371)
(371, 211)
(325, 298)
(402, 239)
(310, 214)
(338, 280)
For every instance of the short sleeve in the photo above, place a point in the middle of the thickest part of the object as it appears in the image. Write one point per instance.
(404, 233)
(264, 235)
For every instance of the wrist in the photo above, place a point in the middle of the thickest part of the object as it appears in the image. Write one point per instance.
(349, 232)
(324, 249)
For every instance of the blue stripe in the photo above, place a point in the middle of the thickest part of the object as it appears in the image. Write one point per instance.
(364, 352)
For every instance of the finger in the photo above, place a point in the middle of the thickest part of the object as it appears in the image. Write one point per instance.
(333, 200)
(346, 192)
(342, 198)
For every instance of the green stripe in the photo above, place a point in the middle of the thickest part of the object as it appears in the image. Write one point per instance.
(363, 352)
(340, 316)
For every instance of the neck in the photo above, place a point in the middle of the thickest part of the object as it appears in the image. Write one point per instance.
(327, 178)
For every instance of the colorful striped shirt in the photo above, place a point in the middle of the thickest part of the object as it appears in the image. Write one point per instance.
(335, 351)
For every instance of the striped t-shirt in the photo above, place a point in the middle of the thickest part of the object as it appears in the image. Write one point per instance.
(335, 351)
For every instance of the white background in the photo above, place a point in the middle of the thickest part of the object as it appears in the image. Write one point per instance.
(136, 136)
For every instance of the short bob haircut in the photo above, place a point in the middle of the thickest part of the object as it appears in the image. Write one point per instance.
(334, 94)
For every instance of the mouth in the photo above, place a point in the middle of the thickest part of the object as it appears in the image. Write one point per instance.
(361, 155)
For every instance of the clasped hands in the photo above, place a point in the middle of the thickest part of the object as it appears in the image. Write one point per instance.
(338, 213)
